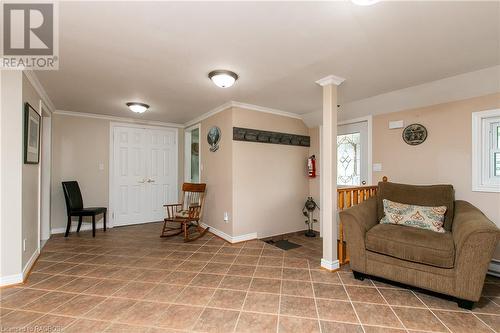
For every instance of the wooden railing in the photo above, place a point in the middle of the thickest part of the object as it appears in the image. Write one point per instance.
(347, 197)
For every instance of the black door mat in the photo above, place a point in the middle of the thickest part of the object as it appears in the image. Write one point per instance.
(283, 244)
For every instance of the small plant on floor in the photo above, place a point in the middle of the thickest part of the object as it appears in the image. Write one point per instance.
(308, 212)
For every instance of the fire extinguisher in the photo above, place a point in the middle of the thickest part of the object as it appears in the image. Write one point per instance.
(311, 166)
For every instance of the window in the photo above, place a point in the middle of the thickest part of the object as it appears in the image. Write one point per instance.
(486, 151)
(348, 159)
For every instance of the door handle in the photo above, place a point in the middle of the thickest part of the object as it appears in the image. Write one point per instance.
(151, 180)
(142, 181)
(363, 182)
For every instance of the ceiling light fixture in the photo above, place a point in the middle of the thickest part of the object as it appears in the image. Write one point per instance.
(223, 78)
(364, 2)
(137, 107)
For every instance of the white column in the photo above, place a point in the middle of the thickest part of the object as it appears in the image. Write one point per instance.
(329, 171)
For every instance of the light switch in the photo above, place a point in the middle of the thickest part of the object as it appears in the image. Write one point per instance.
(101, 166)
(377, 167)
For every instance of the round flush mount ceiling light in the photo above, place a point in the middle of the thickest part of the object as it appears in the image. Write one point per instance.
(364, 2)
(137, 107)
(223, 78)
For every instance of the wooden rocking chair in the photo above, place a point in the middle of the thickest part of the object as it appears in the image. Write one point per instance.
(187, 213)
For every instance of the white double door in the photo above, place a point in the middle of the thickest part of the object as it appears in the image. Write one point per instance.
(144, 174)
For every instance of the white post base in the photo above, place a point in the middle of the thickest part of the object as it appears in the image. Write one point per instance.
(330, 265)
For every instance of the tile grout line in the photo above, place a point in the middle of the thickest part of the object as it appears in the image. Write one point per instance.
(204, 307)
(314, 297)
(428, 308)
(390, 307)
(491, 328)
(281, 292)
(350, 301)
(246, 294)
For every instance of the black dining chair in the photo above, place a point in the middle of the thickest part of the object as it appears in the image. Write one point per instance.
(74, 207)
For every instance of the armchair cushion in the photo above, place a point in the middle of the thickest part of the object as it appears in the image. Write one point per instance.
(412, 244)
(421, 195)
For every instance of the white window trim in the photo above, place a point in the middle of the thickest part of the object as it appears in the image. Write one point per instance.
(479, 150)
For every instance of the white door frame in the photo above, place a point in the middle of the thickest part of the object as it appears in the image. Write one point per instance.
(111, 169)
(369, 120)
(187, 151)
(44, 175)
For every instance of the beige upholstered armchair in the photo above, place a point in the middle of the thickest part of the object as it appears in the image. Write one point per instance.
(454, 262)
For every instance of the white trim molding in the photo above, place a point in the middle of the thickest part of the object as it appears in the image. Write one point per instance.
(30, 263)
(11, 279)
(119, 119)
(229, 238)
(251, 107)
(330, 265)
(19, 278)
(31, 76)
(480, 152)
(330, 79)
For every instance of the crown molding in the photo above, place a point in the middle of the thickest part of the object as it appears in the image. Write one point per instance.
(251, 107)
(330, 79)
(33, 79)
(115, 118)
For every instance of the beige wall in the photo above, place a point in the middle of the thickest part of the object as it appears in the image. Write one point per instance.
(270, 183)
(217, 172)
(79, 144)
(444, 158)
(30, 185)
(314, 183)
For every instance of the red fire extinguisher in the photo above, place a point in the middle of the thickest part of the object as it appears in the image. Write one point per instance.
(311, 166)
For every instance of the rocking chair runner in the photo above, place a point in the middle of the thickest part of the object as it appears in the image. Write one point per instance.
(187, 213)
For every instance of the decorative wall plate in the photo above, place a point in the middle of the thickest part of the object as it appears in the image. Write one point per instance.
(213, 138)
(414, 134)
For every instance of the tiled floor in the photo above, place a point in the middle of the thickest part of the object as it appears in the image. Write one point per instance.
(130, 280)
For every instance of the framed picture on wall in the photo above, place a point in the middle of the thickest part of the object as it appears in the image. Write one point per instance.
(32, 122)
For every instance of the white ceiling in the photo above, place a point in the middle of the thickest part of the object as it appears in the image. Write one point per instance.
(161, 52)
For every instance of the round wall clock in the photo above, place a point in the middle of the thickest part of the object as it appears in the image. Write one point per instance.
(213, 138)
(414, 134)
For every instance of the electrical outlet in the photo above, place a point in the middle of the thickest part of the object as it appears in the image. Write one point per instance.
(226, 217)
(24, 244)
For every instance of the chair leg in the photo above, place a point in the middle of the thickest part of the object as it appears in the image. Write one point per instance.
(104, 221)
(93, 225)
(185, 226)
(80, 218)
(358, 276)
(465, 304)
(68, 227)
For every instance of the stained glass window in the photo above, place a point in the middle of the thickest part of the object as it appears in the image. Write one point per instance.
(348, 159)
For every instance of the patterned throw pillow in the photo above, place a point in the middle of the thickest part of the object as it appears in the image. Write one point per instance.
(429, 218)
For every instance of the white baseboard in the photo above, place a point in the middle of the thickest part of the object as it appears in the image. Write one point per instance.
(74, 226)
(11, 279)
(330, 265)
(30, 263)
(230, 239)
(494, 268)
(19, 278)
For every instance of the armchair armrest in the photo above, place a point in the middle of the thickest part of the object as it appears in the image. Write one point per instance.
(171, 209)
(475, 238)
(357, 220)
